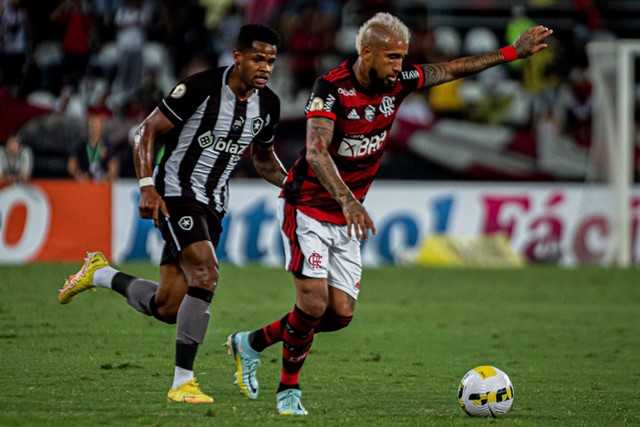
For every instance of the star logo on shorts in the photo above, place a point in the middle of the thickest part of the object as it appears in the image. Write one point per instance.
(186, 223)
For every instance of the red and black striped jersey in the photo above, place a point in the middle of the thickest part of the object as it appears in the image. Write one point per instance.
(363, 120)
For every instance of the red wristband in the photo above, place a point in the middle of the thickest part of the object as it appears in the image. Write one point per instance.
(509, 53)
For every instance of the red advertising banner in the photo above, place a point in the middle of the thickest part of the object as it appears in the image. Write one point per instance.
(54, 220)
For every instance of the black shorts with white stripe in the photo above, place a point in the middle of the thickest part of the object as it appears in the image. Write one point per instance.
(189, 221)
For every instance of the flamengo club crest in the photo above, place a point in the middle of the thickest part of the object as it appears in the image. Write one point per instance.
(315, 260)
(388, 105)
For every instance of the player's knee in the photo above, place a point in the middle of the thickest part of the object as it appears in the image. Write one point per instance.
(311, 296)
(314, 304)
(199, 264)
(331, 322)
(206, 277)
(203, 274)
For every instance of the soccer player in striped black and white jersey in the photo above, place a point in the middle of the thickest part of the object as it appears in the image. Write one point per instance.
(213, 116)
(349, 117)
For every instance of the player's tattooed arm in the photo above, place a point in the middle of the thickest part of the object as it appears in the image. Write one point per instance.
(435, 74)
(528, 43)
(268, 164)
(319, 134)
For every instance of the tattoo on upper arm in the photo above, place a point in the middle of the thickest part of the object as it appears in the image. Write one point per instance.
(434, 74)
(319, 133)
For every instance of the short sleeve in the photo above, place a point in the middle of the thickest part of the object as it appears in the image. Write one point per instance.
(323, 101)
(186, 96)
(272, 118)
(412, 77)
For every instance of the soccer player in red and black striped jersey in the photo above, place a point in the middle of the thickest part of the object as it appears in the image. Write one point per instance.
(349, 117)
(213, 116)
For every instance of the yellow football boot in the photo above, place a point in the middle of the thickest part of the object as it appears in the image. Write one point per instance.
(83, 279)
(189, 392)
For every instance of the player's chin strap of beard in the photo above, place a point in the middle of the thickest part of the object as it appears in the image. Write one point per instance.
(331, 322)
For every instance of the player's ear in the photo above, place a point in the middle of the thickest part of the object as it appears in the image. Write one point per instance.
(366, 53)
(237, 56)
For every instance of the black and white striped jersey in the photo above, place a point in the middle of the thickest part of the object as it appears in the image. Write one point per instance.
(213, 129)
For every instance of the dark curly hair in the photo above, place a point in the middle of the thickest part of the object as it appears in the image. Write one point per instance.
(252, 32)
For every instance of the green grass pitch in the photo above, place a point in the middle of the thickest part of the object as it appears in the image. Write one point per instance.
(568, 338)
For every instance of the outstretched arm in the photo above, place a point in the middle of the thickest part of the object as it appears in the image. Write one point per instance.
(528, 43)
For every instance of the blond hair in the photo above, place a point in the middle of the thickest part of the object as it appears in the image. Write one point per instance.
(386, 20)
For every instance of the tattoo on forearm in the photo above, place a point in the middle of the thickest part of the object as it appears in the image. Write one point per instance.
(323, 167)
(477, 63)
(319, 134)
(268, 165)
(271, 173)
(462, 67)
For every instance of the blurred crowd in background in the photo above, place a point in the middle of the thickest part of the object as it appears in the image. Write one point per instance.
(77, 76)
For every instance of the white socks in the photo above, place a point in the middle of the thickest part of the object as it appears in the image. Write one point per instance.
(181, 376)
(103, 276)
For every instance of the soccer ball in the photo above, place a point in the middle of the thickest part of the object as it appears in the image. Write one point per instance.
(485, 391)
